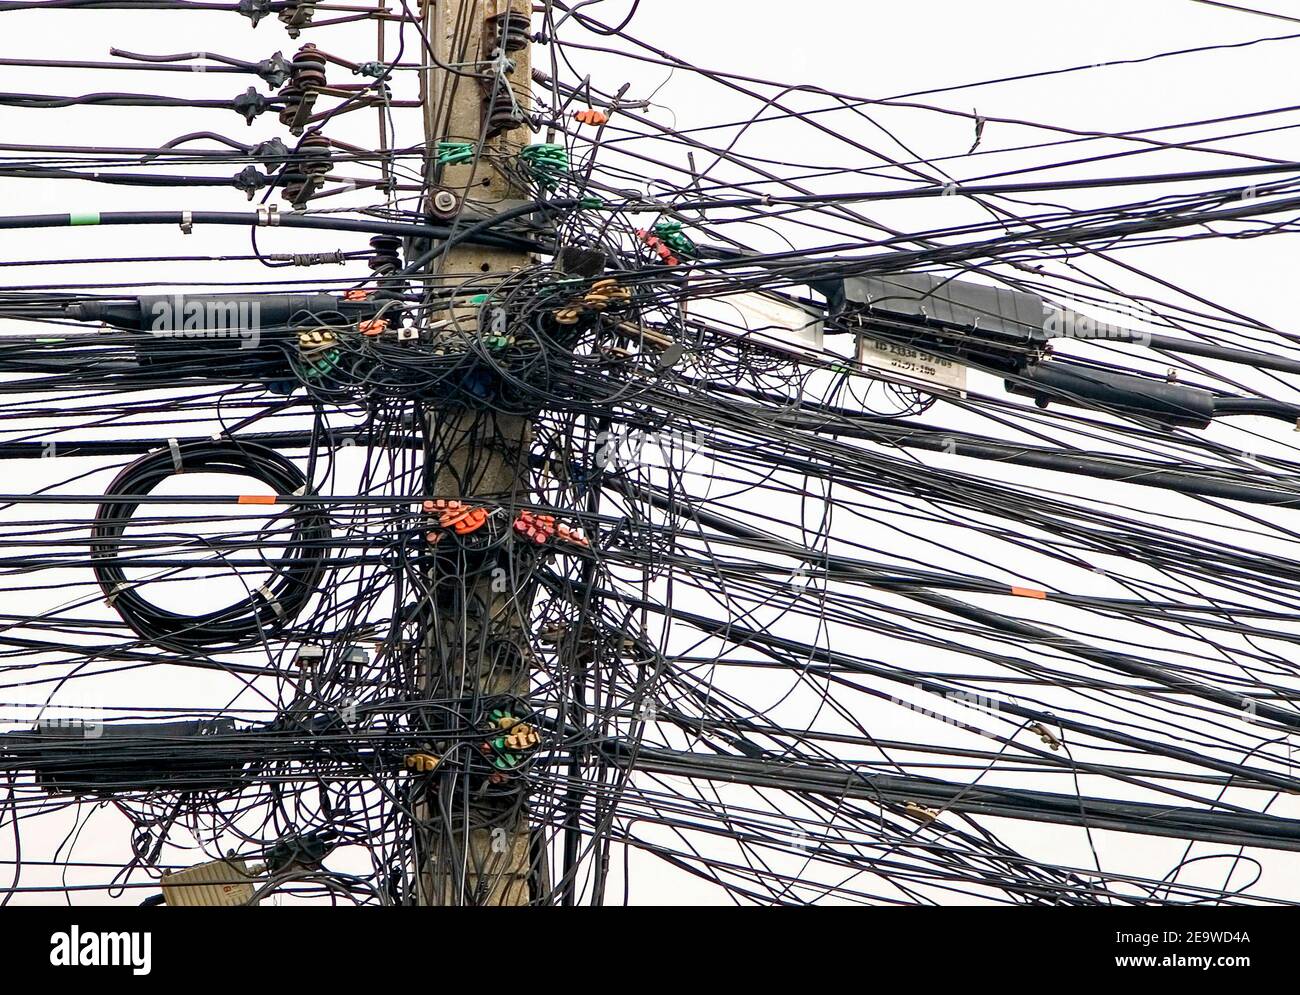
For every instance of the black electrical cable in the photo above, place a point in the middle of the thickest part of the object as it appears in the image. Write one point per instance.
(296, 573)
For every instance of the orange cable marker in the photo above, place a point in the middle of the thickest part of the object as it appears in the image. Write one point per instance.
(1028, 592)
(258, 499)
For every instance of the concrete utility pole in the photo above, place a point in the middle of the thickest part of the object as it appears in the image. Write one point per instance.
(476, 646)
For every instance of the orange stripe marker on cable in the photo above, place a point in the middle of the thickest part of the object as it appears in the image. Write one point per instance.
(1028, 592)
(258, 499)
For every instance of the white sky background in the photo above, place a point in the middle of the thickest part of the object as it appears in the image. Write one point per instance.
(869, 49)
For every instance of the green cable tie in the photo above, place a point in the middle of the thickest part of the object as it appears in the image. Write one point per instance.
(84, 218)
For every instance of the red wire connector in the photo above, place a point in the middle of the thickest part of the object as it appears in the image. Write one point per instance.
(591, 116)
(373, 327)
(538, 528)
(463, 518)
(357, 296)
(566, 534)
(658, 244)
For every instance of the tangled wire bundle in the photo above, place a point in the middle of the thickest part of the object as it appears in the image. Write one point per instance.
(296, 572)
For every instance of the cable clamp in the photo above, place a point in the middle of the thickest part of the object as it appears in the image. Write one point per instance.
(175, 447)
(271, 599)
(187, 222)
(112, 595)
(921, 813)
(1045, 735)
(268, 215)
